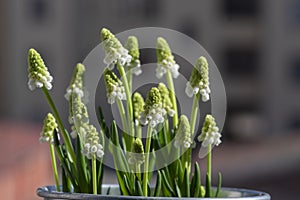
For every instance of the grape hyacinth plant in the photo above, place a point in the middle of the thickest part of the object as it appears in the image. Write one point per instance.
(148, 123)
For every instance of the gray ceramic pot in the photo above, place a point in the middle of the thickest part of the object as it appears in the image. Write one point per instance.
(49, 192)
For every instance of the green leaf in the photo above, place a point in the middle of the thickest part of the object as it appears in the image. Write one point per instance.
(177, 189)
(66, 186)
(64, 161)
(157, 189)
(208, 186)
(180, 171)
(81, 167)
(127, 185)
(167, 189)
(102, 123)
(186, 184)
(138, 188)
(100, 175)
(219, 184)
(123, 188)
(197, 190)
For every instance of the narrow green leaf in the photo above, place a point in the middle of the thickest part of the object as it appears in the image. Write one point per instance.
(167, 189)
(64, 161)
(102, 123)
(207, 186)
(123, 189)
(178, 192)
(114, 134)
(219, 184)
(197, 192)
(180, 171)
(186, 183)
(108, 191)
(100, 175)
(127, 185)
(81, 168)
(157, 189)
(138, 188)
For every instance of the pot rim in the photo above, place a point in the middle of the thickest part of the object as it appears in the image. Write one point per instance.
(50, 192)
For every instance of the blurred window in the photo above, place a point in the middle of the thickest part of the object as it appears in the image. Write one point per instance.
(239, 8)
(38, 11)
(241, 61)
(294, 71)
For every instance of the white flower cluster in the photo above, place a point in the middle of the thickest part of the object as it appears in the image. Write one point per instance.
(154, 116)
(49, 127)
(136, 158)
(212, 138)
(38, 73)
(183, 133)
(199, 80)
(114, 87)
(114, 55)
(210, 132)
(135, 67)
(91, 142)
(42, 80)
(118, 91)
(165, 65)
(202, 88)
(73, 90)
(181, 140)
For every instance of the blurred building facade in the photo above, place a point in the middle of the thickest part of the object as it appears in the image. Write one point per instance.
(254, 44)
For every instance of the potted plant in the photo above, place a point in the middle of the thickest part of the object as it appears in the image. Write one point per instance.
(81, 149)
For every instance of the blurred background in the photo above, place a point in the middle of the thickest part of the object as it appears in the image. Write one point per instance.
(255, 44)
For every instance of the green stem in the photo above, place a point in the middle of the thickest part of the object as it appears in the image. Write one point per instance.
(173, 96)
(138, 171)
(124, 123)
(209, 165)
(94, 174)
(138, 130)
(65, 135)
(128, 99)
(129, 78)
(54, 167)
(146, 165)
(194, 113)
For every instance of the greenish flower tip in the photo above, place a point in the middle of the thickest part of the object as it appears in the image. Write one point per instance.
(210, 134)
(199, 80)
(153, 113)
(165, 59)
(77, 85)
(133, 47)
(115, 52)
(136, 156)
(114, 87)
(138, 106)
(38, 74)
(48, 129)
(183, 133)
(166, 101)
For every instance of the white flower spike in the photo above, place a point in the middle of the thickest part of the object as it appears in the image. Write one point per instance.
(115, 52)
(165, 59)
(199, 80)
(38, 73)
(210, 132)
